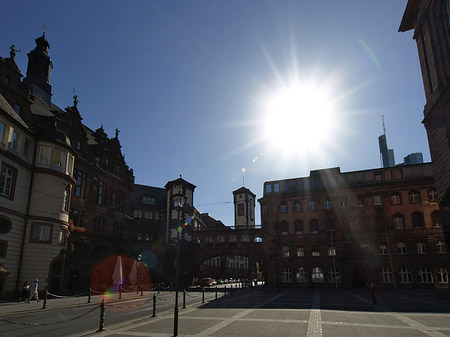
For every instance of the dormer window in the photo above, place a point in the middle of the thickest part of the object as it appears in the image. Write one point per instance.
(78, 145)
(107, 162)
(17, 108)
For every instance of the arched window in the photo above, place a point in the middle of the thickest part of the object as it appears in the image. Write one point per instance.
(399, 221)
(414, 197)
(286, 275)
(418, 221)
(302, 275)
(436, 219)
(405, 275)
(258, 239)
(314, 226)
(220, 238)
(245, 238)
(284, 228)
(396, 198)
(5, 225)
(298, 227)
(317, 275)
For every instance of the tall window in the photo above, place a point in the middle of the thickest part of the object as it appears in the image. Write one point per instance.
(14, 141)
(417, 220)
(2, 132)
(315, 250)
(285, 251)
(327, 204)
(386, 275)
(383, 247)
(101, 192)
(240, 210)
(432, 195)
(7, 182)
(77, 217)
(314, 226)
(396, 198)
(297, 206)
(436, 219)
(283, 207)
(334, 276)
(405, 275)
(399, 221)
(298, 224)
(440, 247)
(443, 275)
(401, 248)
(286, 275)
(377, 200)
(414, 197)
(300, 251)
(99, 224)
(331, 250)
(59, 159)
(27, 147)
(344, 203)
(317, 275)
(41, 232)
(425, 275)
(62, 236)
(284, 228)
(421, 248)
(79, 189)
(312, 206)
(302, 275)
(44, 154)
(66, 197)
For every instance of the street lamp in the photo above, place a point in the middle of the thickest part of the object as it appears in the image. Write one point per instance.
(333, 255)
(178, 201)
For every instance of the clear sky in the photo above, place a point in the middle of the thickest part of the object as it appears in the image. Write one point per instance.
(222, 91)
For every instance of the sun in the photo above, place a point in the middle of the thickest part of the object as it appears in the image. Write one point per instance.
(299, 118)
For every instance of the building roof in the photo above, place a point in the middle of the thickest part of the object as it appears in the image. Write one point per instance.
(179, 181)
(410, 15)
(4, 105)
(244, 190)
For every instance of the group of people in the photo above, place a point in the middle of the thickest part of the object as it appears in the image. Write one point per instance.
(30, 292)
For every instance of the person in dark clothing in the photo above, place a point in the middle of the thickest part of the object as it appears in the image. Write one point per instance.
(371, 286)
(25, 292)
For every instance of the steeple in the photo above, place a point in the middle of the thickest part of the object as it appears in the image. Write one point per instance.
(38, 70)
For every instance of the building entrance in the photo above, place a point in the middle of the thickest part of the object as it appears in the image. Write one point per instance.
(359, 277)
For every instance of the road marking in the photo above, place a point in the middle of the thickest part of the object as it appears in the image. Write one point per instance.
(430, 331)
(315, 318)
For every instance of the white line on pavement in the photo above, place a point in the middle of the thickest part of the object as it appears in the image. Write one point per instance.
(315, 318)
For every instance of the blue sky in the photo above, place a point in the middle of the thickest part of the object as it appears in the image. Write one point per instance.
(186, 81)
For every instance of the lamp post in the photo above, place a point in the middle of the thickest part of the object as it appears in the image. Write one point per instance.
(334, 259)
(179, 200)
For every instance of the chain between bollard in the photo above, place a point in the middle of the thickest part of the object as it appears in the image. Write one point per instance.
(101, 326)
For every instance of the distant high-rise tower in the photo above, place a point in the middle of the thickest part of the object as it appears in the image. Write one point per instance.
(244, 208)
(387, 155)
(413, 158)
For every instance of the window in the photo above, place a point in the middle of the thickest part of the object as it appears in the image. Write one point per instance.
(396, 198)
(66, 197)
(421, 248)
(137, 214)
(297, 206)
(264, 209)
(302, 275)
(361, 200)
(5, 225)
(17, 108)
(284, 228)
(401, 248)
(383, 247)
(331, 250)
(418, 221)
(99, 224)
(312, 206)
(139, 236)
(432, 195)
(405, 275)
(436, 219)
(245, 238)
(232, 238)
(425, 275)
(414, 197)
(27, 147)
(148, 200)
(298, 224)
(3, 248)
(315, 250)
(147, 236)
(8, 181)
(59, 159)
(286, 275)
(316, 183)
(377, 200)
(285, 251)
(80, 186)
(240, 209)
(365, 246)
(334, 276)
(14, 144)
(41, 232)
(220, 238)
(300, 252)
(440, 247)
(313, 226)
(283, 207)
(77, 217)
(78, 145)
(317, 275)
(268, 188)
(62, 236)
(101, 193)
(386, 275)
(44, 154)
(2, 132)
(399, 221)
(327, 204)
(344, 203)
(276, 187)
(442, 275)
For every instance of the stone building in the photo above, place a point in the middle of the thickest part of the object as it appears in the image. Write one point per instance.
(430, 21)
(342, 229)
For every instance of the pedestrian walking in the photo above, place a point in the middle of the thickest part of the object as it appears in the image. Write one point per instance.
(371, 286)
(25, 292)
(34, 291)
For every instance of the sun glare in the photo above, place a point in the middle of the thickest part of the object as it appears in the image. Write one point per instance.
(299, 119)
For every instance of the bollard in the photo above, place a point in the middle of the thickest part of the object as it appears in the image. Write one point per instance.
(159, 288)
(184, 299)
(120, 291)
(45, 298)
(216, 293)
(142, 290)
(154, 305)
(203, 295)
(101, 327)
(225, 291)
(137, 289)
(89, 294)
